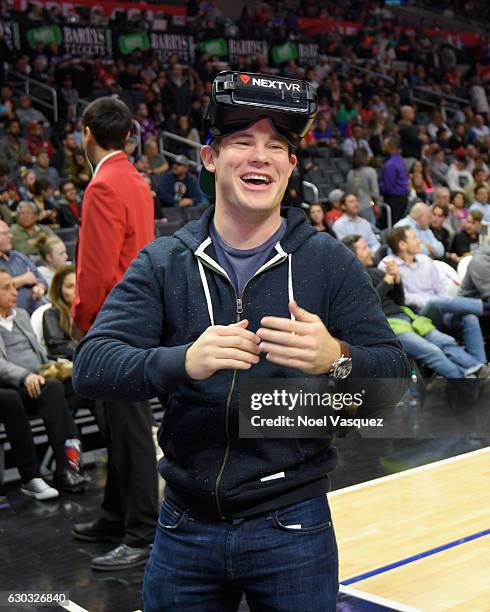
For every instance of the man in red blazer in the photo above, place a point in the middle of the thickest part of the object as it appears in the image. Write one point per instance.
(117, 221)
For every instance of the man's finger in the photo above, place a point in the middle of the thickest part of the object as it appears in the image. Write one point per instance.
(244, 344)
(237, 355)
(231, 364)
(285, 324)
(300, 314)
(281, 337)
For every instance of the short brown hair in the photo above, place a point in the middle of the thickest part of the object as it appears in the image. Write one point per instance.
(476, 215)
(443, 207)
(397, 235)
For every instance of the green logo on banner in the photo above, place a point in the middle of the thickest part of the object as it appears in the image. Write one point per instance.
(45, 35)
(284, 53)
(216, 46)
(129, 42)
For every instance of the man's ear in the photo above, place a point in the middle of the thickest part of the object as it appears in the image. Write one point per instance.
(88, 134)
(293, 162)
(207, 157)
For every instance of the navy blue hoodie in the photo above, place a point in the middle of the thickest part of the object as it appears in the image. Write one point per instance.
(168, 297)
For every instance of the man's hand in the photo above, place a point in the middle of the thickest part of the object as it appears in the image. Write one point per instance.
(38, 291)
(392, 270)
(305, 344)
(33, 384)
(222, 347)
(28, 278)
(184, 202)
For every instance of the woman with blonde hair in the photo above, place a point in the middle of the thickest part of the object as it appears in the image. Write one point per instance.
(57, 320)
(54, 255)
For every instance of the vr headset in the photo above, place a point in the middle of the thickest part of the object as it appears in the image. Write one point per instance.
(239, 99)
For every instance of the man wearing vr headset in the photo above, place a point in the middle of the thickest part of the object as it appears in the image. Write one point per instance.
(216, 303)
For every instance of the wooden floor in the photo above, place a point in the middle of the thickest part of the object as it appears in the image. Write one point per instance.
(412, 531)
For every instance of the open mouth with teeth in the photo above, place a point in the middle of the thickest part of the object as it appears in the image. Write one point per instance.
(257, 179)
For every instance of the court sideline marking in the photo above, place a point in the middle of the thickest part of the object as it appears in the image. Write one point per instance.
(377, 599)
(420, 468)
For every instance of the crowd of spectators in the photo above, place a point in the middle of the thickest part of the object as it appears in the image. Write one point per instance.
(426, 156)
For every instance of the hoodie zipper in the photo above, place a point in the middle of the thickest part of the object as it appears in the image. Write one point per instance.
(239, 311)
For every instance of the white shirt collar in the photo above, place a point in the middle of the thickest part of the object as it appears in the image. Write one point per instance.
(8, 322)
(111, 154)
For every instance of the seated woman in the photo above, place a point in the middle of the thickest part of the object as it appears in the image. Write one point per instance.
(21, 358)
(317, 217)
(18, 430)
(53, 252)
(57, 320)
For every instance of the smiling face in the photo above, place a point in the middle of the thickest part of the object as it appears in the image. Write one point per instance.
(252, 168)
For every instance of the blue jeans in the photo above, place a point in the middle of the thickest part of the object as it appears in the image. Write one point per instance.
(459, 315)
(284, 560)
(440, 352)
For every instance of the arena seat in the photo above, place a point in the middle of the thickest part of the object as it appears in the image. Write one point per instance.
(37, 323)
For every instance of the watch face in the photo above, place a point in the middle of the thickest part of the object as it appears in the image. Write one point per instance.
(342, 368)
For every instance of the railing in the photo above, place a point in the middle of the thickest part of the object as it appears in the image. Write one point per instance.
(190, 143)
(389, 80)
(27, 83)
(314, 189)
(137, 128)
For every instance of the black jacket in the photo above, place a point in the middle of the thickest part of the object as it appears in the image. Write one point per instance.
(58, 343)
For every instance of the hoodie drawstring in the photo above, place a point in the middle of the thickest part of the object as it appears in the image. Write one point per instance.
(207, 293)
(290, 283)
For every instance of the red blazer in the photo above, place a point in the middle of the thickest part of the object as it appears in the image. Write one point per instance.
(117, 222)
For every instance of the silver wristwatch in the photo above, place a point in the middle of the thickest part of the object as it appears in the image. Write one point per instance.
(341, 367)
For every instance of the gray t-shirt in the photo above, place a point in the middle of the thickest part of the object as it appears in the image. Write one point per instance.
(242, 264)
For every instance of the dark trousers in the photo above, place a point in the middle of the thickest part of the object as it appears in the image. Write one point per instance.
(398, 206)
(131, 493)
(52, 407)
(16, 422)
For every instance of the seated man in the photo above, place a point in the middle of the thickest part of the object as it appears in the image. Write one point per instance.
(424, 292)
(28, 281)
(26, 232)
(438, 217)
(44, 170)
(9, 194)
(69, 207)
(18, 430)
(20, 359)
(476, 283)
(419, 218)
(466, 241)
(481, 202)
(351, 223)
(434, 349)
(177, 187)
